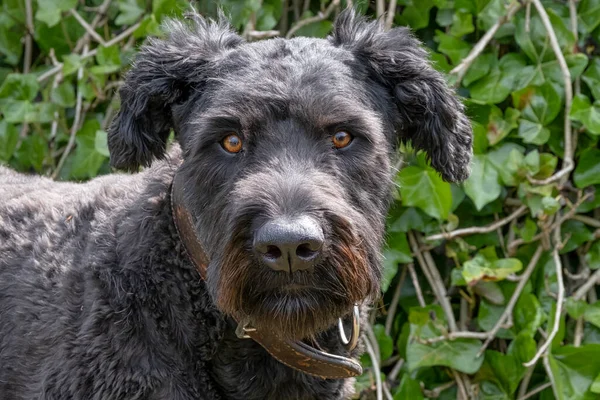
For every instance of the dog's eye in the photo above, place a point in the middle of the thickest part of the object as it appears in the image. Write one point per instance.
(232, 143)
(341, 139)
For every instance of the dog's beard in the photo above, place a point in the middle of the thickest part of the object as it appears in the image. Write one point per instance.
(301, 304)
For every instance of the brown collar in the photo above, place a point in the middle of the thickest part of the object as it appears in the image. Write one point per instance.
(294, 354)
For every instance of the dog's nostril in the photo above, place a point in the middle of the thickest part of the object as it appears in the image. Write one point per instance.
(273, 252)
(304, 251)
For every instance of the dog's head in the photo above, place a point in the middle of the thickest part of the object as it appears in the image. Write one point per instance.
(288, 149)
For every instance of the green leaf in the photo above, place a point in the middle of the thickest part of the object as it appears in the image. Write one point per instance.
(397, 251)
(460, 354)
(416, 14)
(9, 137)
(101, 143)
(592, 314)
(577, 233)
(482, 185)
(592, 76)
(408, 389)
(424, 188)
(482, 269)
(32, 153)
(462, 24)
(456, 49)
(507, 160)
(63, 95)
(586, 113)
(592, 258)
(499, 127)
(575, 308)
(86, 159)
(595, 388)
(19, 87)
(130, 12)
(528, 314)
(49, 11)
(587, 171)
(487, 317)
(10, 45)
(574, 377)
(480, 68)
(588, 12)
(386, 344)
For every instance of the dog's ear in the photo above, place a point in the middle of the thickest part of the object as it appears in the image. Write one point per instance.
(164, 73)
(431, 115)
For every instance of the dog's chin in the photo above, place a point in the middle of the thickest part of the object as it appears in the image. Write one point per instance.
(296, 312)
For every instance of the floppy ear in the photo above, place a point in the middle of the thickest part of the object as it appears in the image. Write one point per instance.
(164, 73)
(431, 115)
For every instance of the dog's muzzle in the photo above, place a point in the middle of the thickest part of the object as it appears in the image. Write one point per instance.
(295, 354)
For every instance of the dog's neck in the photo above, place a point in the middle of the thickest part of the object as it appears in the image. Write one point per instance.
(294, 354)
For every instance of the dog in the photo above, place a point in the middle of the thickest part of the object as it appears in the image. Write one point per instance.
(223, 269)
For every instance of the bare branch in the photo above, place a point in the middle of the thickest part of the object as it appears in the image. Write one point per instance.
(479, 229)
(568, 164)
(434, 278)
(321, 16)
(391, 13)
(89, 29)
(415, 281)
(461, 69)
(456, 335)
(535, 391)
(513, 300)
(372, 354)
(391, 312)
(589, 284)
(551, 377)
(258, 35)
(28, 37)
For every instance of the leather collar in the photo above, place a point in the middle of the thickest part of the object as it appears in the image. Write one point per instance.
(294, 354)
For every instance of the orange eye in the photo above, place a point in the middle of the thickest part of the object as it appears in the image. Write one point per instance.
(341, 139)
(232, 143)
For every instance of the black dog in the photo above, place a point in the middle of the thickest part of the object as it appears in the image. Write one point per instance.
(283, 182)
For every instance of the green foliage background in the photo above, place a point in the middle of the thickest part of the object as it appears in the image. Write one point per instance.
(532, 275)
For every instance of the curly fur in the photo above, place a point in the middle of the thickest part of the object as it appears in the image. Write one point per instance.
(98, 299)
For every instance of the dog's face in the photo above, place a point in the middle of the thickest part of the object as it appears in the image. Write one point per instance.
(288, 147)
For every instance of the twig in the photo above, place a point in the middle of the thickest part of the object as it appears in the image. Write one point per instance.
(513, 300)
(391, 312)
(589, 284)
(391, 377)
(379, 8)
(415, 281)
(568, 164)
(386, 391)
(525, 382)
(321, 16)
(536, 391)
(559, 302)
(479, 229)
(76, 121)
(461, 69)
(578, 335)
(258, 35)
(391, 13)
(100, 15)
(126, 33)
(434, 278)
(371, 335)
(456, 335)
(435, 392)
(587, 220)
(461, 385)
(90, 30)
(551, 377)
(573, 26)
(28, 36)
(373, 356)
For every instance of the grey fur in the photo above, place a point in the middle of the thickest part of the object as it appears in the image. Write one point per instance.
(98, 299)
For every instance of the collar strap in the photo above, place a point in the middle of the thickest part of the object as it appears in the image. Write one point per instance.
(294, 354)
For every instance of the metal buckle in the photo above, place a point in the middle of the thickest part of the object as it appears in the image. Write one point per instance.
(243, 328)
(351, 343)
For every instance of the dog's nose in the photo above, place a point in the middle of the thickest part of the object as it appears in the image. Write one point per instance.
(289, 244)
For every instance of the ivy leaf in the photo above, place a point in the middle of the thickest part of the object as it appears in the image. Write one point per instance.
(397, 251)
(415, 14)
(539, 107)
(592, 76)
(9, 137)
(10, 45)
(19, 87)
(574, 378)
(462, 24)
(500, 82)
(480, 68)
(575, 308)
(49, 11)
(588, 12)
(482, 185)
(63, 95)
(86, 159)
(425, 189)
(456, 49)
(587, 172)
(482, 269)
(408, 389)
(460, 354)
(592, 258)
(386, 344)
(586, 113)
(592, 314)
(129, 12)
